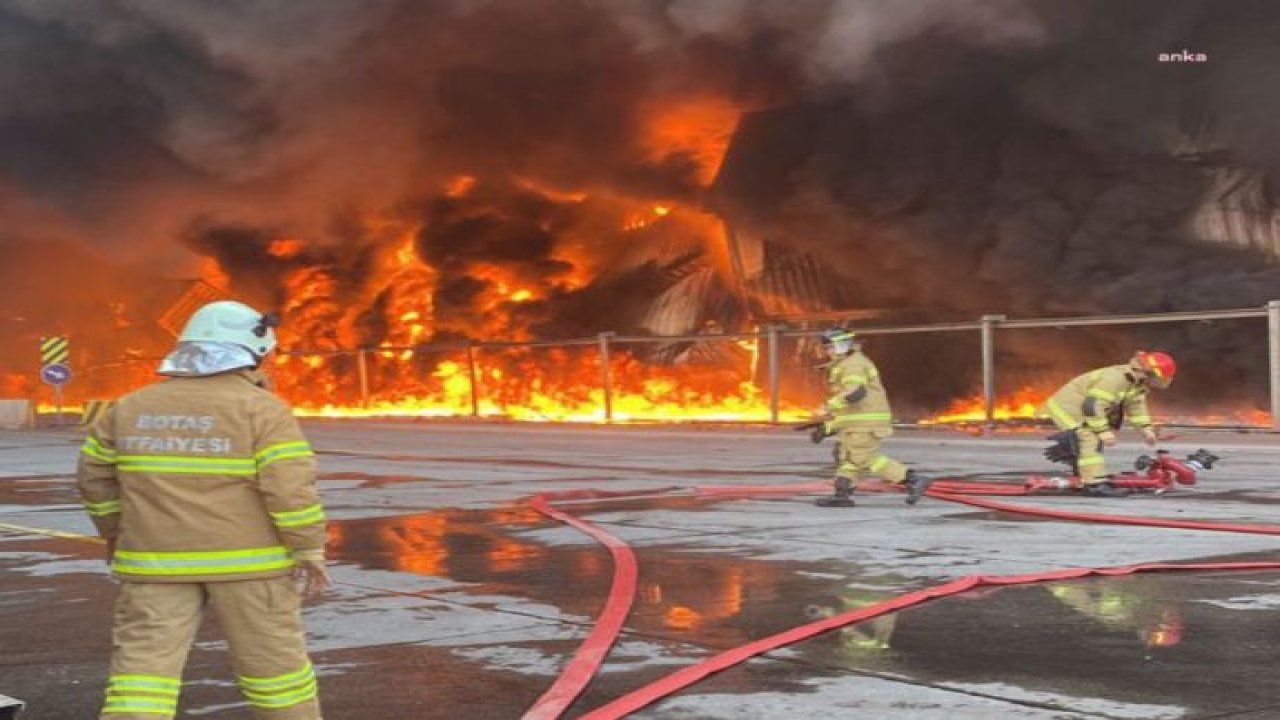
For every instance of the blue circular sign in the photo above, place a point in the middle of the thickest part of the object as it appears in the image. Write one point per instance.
(55, 374)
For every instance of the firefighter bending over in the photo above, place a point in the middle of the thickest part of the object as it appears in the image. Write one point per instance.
(203, 487)
(1093, 406)
(860, 417)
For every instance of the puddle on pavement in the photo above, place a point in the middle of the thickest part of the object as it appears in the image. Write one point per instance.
(38, 490)
(1154, 639)
(1203, 641)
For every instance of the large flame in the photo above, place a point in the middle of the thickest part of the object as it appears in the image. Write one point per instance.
(366, 333)
(328, 376)
(697, 128)
(1022, 408)
(1023, 404)
(535, 385)
(381, 326)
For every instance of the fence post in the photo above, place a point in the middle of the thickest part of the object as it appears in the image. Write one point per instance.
(474, 378)
(57, 401)
(774, 375)
(362, 370)
(989, 371)
(1273, 353)
(606, 377)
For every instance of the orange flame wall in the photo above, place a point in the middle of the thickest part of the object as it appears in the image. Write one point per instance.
(563, 384)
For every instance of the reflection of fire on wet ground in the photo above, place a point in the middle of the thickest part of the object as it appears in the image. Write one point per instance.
(688, 593)
(1122, 633)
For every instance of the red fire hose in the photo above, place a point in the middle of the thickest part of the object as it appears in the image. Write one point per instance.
(1111, 519)
(685, 677)
(591, 653)
(608, 625)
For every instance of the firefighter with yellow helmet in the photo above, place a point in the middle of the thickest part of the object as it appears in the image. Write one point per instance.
(204, 488)
(1090, 408)
(861, 419)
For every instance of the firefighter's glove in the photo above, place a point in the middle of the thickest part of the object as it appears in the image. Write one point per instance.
(1150, 436)
(819, 432)
(310, 570)
(1107, 438)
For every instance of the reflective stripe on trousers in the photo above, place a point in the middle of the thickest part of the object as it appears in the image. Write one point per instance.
(261, 621)
(859, 453)
(1091, 465)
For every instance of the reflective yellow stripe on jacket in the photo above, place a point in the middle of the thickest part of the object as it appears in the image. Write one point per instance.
(96, 450)
(1063, 418)
(282, 451)
(298, 518)
(101, 509)
(187, 465)
(218, 562)
(198, 464)
(882, 416)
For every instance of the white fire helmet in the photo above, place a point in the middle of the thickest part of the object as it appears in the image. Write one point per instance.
(232, 322)
(840, 342)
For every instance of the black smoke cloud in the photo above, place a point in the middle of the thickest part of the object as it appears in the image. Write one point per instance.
(1071, 173)
(944, 157)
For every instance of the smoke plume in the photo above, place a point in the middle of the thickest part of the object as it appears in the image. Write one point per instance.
(939, 159)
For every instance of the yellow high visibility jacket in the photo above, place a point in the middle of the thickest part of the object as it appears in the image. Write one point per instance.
(202, 479)
(1097, 398)
(857, 396)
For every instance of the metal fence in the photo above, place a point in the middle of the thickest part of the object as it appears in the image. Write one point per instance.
(770, 342)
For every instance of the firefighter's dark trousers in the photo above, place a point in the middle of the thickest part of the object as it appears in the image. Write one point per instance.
(261, 621)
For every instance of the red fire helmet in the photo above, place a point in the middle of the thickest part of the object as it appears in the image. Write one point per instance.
(1159, 366)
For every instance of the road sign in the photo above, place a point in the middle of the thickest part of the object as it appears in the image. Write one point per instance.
(55, 374)
(55, 350)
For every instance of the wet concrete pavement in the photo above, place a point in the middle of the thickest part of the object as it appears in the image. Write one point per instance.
(455, 599)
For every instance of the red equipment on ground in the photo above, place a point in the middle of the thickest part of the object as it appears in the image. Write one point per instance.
(1155, 475)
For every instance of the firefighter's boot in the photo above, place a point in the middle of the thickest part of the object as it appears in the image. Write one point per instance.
(843, 496)
(916, 485)
(1104, 490)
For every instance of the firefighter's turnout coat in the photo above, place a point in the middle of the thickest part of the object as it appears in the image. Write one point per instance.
(1101, 400)
(857, 397)
(859, 410)
(1095, 402)
(202, 479)
(205, 489)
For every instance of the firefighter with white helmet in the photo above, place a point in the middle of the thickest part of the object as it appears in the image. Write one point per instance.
(204, 489)
(1090, 408)
(859, 413)
(234, 323)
